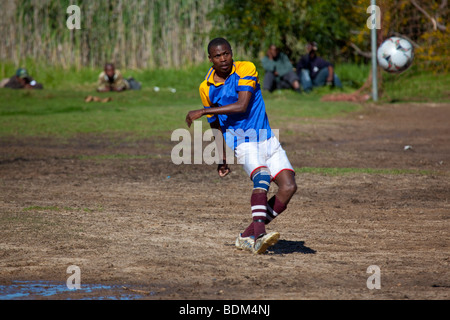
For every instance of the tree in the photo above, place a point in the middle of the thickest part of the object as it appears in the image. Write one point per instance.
(289, 24)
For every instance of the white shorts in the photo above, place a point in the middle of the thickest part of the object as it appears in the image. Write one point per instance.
(268, 153)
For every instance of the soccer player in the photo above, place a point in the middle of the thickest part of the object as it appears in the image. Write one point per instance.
(233, 103)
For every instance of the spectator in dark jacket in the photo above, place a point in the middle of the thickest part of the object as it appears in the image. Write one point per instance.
(314, 71)
(280, 73)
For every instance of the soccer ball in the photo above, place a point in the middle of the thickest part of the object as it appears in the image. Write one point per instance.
(395, 55)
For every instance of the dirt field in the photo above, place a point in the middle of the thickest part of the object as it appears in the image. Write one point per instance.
(160, 231)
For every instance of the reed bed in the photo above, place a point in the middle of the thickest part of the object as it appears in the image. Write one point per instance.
(131, 33)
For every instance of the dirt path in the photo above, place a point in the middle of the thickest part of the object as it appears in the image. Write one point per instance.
(167, 232)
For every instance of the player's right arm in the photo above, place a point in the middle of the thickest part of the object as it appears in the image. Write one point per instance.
(211, 111)
(196, 114)
(222, 168)
(240, 106)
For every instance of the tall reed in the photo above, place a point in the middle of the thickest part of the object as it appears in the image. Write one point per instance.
(130, 33)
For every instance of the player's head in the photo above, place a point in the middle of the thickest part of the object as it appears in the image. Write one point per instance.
(218, 42)
(221, 55)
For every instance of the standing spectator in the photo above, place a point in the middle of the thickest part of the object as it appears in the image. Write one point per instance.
(279, 71)
(314, 71)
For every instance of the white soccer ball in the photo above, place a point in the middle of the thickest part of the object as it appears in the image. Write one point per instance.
(395, 55)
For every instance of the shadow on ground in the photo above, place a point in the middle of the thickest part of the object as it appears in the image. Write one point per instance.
(287, 246)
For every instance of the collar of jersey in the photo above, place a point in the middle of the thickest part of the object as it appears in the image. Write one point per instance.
(212, 72)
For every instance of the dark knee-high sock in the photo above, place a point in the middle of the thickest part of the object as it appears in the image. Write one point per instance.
(259, 215)
(249, 231)
(274, 208)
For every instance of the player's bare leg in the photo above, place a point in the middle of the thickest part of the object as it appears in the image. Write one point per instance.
(287, 186)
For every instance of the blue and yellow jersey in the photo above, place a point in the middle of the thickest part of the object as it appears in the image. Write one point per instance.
(253, 125)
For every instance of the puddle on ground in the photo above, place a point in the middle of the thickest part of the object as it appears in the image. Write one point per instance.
(32, 290)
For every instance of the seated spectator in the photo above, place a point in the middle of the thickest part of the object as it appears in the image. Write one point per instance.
(279, 71)
(111, 80)
(22, 80)
(314, 71)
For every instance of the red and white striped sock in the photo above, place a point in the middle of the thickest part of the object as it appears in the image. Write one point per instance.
(259, 214)
(274, 208)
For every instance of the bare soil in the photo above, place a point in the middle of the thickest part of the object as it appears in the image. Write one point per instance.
(167, 232)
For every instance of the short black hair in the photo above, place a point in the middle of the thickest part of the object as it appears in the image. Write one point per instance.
(218, 42)
(110, 65)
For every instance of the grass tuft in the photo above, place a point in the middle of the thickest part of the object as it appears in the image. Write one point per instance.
(348, 171)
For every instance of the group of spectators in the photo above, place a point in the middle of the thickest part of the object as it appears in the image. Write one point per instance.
(109, 80)
(311, 71)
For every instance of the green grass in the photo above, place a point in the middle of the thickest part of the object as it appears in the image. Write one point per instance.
(39, 208)
(63, 113)
(59, 111)
(347, 171)
(416, 86)
(352, 75)
(84, 79)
